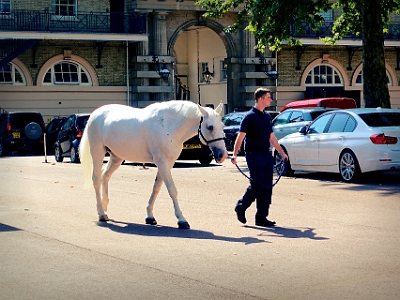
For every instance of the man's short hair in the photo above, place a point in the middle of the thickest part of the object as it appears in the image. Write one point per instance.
(260, 92)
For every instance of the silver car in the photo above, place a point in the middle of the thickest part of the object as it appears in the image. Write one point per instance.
(291, 120)
(349, 142)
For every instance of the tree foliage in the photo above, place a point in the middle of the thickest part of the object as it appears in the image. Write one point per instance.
(274, 22)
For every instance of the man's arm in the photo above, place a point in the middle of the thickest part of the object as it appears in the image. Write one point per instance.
(238, 143)
(274, 142)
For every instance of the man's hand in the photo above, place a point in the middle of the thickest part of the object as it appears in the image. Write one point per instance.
(233, 159)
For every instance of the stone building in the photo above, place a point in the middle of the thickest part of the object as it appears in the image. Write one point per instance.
(65, 56)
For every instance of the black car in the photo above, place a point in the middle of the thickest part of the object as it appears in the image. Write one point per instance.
(69, 137)
(231, 123)
(21, 132)
(194, 149)
(52, 130)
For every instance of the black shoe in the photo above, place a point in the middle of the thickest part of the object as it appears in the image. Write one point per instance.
(241, 216)
(265, 223)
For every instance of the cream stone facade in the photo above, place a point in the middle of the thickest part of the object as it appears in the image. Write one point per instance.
(65, 59)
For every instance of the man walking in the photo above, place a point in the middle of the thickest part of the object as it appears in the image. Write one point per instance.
(257, 129)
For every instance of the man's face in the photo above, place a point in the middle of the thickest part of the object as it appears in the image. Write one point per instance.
(267, 99)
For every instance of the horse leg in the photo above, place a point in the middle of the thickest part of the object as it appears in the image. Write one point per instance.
(156, 189)
(113, 164)
(96, 177)
(166, 176)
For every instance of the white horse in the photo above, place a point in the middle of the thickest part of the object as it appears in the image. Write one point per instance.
(154, 134)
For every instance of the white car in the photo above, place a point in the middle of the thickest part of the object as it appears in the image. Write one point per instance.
(349, 142)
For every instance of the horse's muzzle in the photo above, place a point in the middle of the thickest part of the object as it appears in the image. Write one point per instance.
(219, 154)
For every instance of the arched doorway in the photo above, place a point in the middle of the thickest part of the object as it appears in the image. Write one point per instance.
(197, 48)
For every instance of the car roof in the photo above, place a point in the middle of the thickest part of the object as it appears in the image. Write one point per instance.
(336, 102)
(310, 109)
(372, 110)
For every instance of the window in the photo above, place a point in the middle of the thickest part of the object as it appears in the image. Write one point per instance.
(5, 7)
(339, 122)
(11, 75)
(323, 75)
(320, 124)
(359, 80)
(327, 15)
(224, 69)
(202, 68)
(67, 73)
(297, 116)
(65, 8)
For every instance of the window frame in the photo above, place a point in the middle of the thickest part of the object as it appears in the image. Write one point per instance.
(80, 70)
(13, 70)
(312, 74)
(5, 3)
(56, 11)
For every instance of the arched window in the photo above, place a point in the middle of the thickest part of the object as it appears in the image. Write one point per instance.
(323, 75)
(10, 74)
(67, 73)
(359, 80)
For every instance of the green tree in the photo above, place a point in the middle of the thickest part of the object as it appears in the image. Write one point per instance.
(274, 22)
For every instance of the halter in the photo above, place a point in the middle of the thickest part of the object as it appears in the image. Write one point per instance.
(202, 136)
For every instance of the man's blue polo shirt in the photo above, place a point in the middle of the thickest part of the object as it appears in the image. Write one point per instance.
(258, 129)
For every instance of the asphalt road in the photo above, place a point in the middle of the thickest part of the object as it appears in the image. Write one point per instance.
(332, 240)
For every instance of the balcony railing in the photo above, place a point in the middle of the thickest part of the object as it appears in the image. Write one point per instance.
(326, 30)
(46, 21)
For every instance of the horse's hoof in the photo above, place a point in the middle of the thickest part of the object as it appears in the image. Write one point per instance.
(104, 218)
(183, 225)
(151, 221)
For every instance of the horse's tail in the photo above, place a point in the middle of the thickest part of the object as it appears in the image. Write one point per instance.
(86, 159)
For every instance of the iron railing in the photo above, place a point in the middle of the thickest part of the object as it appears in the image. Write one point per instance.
(325, 30)
(93, 22)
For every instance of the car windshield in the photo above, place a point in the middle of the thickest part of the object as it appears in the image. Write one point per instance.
(81, 122)
(382, 119)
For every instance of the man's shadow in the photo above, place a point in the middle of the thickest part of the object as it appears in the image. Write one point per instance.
(167, 231)
(292, 233)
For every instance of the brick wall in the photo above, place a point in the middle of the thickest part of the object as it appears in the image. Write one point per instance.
(113, 58)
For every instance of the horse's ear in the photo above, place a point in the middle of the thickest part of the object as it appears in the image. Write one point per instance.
(203, 110)
(218, 110)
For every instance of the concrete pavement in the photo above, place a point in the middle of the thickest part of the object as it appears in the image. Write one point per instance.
(333, 240)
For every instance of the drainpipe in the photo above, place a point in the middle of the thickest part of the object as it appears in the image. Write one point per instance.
(127, 74)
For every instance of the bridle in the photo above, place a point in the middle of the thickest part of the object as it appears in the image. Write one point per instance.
(203, 137)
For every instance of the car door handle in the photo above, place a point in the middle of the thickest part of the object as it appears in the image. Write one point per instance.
(341, 138)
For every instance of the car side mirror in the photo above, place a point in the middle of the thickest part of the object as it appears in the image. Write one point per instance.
(303, 130)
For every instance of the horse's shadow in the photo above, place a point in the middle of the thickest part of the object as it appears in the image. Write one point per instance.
(292, 233)
(167, 231)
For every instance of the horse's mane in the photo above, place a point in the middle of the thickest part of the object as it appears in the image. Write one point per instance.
(186, 108)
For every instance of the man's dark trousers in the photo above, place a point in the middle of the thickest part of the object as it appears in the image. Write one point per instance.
(260, 164)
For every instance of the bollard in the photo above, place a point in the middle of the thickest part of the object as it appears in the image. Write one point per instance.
(45, 151)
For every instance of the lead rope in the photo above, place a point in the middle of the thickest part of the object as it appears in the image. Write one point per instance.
(279, 167)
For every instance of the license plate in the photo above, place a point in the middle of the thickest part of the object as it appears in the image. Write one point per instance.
(191, 146)
(16, 135)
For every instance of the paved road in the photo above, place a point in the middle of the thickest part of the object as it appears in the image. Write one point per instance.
(333, 240)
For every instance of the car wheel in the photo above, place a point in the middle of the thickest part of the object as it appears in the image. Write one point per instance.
(284, 169)
(58, 154)
(205, 160)
(348, 166)
(74, 155)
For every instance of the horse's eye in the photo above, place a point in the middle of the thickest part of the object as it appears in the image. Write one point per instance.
(211, 128)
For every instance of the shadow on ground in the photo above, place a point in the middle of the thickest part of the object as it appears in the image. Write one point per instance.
(166, 231)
